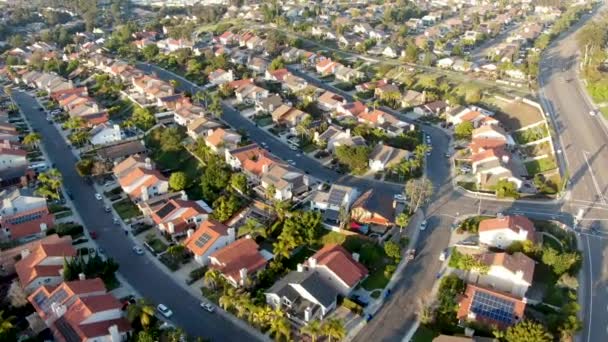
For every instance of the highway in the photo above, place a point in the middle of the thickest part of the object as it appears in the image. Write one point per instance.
(151, 282)
(583, 139)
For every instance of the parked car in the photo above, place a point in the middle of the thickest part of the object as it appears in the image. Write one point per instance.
(98, 197)
(411, 254)
(164, 310)
(444, 255)
(107, 209)
(116, 221)
(423, 225)
(138, 250)
(399, 197)
(93, 235)
(208, 307)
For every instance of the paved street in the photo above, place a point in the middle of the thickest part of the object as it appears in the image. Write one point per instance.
(151, 282)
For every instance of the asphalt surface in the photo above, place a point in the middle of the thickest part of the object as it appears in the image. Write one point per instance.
(150, 281)
(397, 315)
(583, 140)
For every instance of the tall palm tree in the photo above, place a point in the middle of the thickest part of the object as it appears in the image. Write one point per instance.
(334, 328)
(280, 328)
(212, 278)
(281, 208)
(74, 123)
(228, 299)
(254, 228)
(312, 329)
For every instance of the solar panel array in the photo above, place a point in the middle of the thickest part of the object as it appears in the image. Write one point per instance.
(492, 307)
(202, 240)
(67, 330)
(164, 211)
(336, 196)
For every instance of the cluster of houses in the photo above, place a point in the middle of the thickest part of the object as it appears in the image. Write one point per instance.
(490, 157)
(497, 297)
(77, 310)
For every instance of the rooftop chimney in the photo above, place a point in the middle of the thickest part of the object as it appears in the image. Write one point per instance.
(312, 262)
(243, 275)
(307, 314)
(81, 276)
(300, 268)
(505, 159)
(231, 234)
(25, 253)
(356, 257)
(190, 232)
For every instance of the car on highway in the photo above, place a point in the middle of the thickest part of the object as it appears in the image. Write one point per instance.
(423, 225)
(207, 306)
(164, 310)
(98, 197)
(138, 250)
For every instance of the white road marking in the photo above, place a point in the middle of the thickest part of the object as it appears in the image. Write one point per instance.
(597, 187)
(590, 309)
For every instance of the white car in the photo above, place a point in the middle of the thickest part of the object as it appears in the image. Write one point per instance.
(98, 197)
(593, 112)
(423, 225)
(293, 147)
(208, 307)
(290, 161)
(399, 197)
(138, 250)
(165, 311)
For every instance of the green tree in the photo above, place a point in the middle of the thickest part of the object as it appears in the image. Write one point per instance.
(402, 220)
(277, 63)
(392, 250)
(464, 130)
(150, 52)
(280, 328)
(215, 178)
(171, 140)
(505, 188)
(7, 328)
(526, 331)
(215, 107)
(142, 118)
(212, 278)
(312, 329)
(238, 181)
(333, 328)
(142, 312)
(418, 191)
(411, 53)
(32, 139)
(74, 123)
(50, 184)
(225, 206)
(355, 157)
(254, 228)
(178, 180)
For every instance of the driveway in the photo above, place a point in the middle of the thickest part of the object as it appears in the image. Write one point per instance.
(150, 281)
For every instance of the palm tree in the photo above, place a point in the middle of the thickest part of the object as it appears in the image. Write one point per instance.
(228, 299)
(282, 248)
(6, 324)
(212, 278)
(143, 310)
(74, 123)
(281, 208)
(333, 328)
(32, 139)
(201, 96)
(253, 228)
(280, 327)
(402, 220)
(312, 329)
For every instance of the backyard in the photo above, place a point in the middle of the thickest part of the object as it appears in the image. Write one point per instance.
(126, 209)
(540, 165)
(531, 134)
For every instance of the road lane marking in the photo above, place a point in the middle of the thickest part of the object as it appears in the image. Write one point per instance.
(597, 187)
(590, 310)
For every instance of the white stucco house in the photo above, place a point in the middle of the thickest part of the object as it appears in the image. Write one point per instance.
(511, 273)
(502, 231)
(105, 133)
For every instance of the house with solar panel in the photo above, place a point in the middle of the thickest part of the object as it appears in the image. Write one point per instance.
(80, 310)
(209, 237)
(177, 215)
(331, 203)
(43, 265)
(490, 307)
(512, 273)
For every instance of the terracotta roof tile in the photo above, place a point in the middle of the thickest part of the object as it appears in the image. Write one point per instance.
(213, 229)
(340, 262)
(242, 253)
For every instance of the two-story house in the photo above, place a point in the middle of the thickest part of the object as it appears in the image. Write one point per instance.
(209, 237)
(502, 231)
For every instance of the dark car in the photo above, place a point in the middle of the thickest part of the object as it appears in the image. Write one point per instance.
(70, 195)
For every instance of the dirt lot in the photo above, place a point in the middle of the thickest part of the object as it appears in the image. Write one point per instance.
(515, 114)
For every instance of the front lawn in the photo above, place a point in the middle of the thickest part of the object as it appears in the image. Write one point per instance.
(126, 209)
(156, 244)
(63, 214)
(263, 120)
(540, 165)
(531, 134)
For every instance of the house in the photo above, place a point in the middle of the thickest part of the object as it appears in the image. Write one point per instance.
(511, 273)
(251, 159)
(329, 101)
(221, 139)
(23, 215)
(276, 75)
(12, 155)
(492, 132)
(250, 93)
(351, 108)
(43, 265)
(489, 307)
(371, 85)
(294, 83)
(331, 203)
(502, 231)
(375, 208)
(391, 52)
(268, 104)
(240, 261)
(386, 88)
(121, 150)
(336, 264)
(412, 98)
(221, 76)
(81, 311)
(287, 115)
(445, 63)
(346, 74)
(185, 112)
(8, 133)
(432, 108)
(286, 181)
(209, 237)
(227, 38)
(105, 134)
(140, 182)
(384, 157)
(200, 127)
(10, 256)
(492, 166)
(258, 65)
(177, 215)
(326, 66)
(463, 66)
(476, 115)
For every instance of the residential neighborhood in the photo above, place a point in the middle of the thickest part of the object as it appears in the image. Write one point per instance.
(300, 171)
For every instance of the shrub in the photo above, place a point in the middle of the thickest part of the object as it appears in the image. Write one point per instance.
(352, 306)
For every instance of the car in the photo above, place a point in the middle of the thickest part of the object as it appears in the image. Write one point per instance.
(116, 221)
(428, 153)
(444, 255)
(93, 235)
(411, 254)
(138, 250)
(208, 307)
(98, 197)
(465, 169)
(423, 225)
(447, 155)
(593, 112)
(399, 197)
(164, 310)
(290, 161)
(107, 209)
(293, 147)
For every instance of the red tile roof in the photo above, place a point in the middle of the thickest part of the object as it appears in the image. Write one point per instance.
(242, 253)
(512, 222)
(30, 267)
(213, 229)
(341, 263)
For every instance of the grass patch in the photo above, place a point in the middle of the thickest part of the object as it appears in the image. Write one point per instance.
(375, 280)
(63, 214)
(346, 86)
(604, 111)
(55, 208)
(157, 245)
(423, 334)
(263, 120)
(531, 134)
(471, 224)
(126, 209)
(471, 186)
(540, 165)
